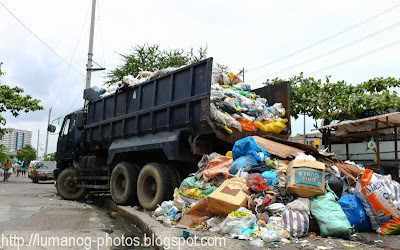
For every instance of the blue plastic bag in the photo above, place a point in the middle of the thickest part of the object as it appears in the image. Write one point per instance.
(248, 146)
(241, 163)
(355, 212)
(270, 177)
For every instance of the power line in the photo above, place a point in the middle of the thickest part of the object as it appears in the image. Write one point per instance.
(334, 50)
(356, 57)
(327, 38)
(41, 40)
(77, 43)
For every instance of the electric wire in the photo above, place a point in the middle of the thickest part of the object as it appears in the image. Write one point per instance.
(73, 54)
(55, 53)
(327, 38)
(355, 58)
(330, 52)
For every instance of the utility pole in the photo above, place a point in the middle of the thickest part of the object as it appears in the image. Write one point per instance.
(90, 53)
(47, 136)
(304, 131)
(37, 148)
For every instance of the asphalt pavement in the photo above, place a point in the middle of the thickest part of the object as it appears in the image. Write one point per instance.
(33, 216)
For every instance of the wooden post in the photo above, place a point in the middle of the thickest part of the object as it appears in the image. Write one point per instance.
(378, 157)
(396, 157)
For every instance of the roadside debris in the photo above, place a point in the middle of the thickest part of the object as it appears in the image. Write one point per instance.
(282, 191)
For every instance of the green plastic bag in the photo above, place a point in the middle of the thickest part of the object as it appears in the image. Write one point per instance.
(190, 182)
(331, 219)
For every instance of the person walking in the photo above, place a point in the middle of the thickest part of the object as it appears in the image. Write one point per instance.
(18, 170)
(23, 169)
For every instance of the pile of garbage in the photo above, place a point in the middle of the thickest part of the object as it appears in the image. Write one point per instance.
(266, 190)
(233, 105)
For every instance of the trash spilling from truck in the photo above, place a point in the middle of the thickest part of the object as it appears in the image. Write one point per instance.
(233, 105)
(269, 190)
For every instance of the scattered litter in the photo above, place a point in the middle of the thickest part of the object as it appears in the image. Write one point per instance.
(283, 193)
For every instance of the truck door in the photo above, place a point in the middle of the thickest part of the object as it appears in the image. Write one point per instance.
(66, 139)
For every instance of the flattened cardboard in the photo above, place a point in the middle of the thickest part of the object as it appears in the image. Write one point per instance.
(229, 196)
(306, 178)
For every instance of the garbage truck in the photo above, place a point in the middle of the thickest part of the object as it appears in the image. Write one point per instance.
(139, 142)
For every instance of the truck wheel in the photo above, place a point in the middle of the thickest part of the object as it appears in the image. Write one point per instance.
(123, 183)
(154, 185)
(175, 177)
(67, 185)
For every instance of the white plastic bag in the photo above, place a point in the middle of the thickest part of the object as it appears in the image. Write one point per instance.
(300, 204)
(238, 220)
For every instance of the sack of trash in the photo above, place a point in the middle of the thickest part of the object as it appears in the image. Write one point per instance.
(380, 197)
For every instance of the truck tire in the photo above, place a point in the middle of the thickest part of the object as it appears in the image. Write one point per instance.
(123, 183)
(67, 185)
(175, 176)
(154, 185)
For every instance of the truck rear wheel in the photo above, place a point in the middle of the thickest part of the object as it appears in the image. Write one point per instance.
(123, 183)
(154, 185)
(67, 185)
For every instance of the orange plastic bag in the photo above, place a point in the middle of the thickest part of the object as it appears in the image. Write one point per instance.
(218, 169)
(247, 125)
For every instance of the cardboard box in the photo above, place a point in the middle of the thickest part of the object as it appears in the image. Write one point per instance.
(228, 197)
(306, 178)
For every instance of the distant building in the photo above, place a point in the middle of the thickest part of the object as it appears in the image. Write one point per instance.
(313, 139)
(16, 139)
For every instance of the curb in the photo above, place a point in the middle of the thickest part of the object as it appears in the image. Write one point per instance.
(154, 229)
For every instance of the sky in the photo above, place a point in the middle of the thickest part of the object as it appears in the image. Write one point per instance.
(44, 44)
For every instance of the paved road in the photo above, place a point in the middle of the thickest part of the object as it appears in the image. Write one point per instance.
(30, 214)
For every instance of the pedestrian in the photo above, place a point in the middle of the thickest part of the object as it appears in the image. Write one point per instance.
(18, 170)
(23, 169)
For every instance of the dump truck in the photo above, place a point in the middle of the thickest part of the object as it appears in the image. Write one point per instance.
(139, 142)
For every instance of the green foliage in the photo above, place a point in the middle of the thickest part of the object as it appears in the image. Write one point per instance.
(327, 100)
(12, 100)
(49, 157)
(151, 57)
(26, 154)
(3, 153)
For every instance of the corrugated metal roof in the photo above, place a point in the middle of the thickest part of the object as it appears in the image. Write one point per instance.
(384, 121)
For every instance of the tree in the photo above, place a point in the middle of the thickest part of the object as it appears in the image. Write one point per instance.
(151, 57)
(13, 100)
(26, 154)
(49, 157)
(340, 100)
(3, 154)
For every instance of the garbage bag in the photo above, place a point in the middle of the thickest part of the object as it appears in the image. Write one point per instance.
(257, 183)
(218, 169)
(355, 213)
(331, 219)
(247, 125)
(237, 220)
(296, 223)
(242, 162)
(190, 182)
(270, 177)
(300, 204)
(269, 235)
(380, 196)
(196, 215)
(276, 224)
(335, 183)
(248, 146)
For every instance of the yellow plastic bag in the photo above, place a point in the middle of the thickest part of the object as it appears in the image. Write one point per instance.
(229, 154)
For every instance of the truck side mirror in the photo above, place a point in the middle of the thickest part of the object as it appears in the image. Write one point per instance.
(51, 128)
(79, 120)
